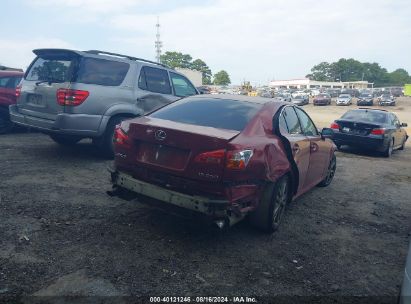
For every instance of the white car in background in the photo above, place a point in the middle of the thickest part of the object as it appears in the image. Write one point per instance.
(344, 100)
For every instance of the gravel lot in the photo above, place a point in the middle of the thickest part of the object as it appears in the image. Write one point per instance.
(61, 234)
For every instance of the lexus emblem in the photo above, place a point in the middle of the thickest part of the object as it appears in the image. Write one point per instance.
(160, 135)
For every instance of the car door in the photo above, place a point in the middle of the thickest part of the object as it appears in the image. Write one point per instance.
(319, 150)
(300, 145)
(399, 133)
(154, 89)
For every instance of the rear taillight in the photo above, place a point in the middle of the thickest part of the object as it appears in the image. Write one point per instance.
(238, 159)
(18, 91)
(120, 137)
(233, 159)
(68, 97)
(212, 157)
(378, 131)
(335, 126)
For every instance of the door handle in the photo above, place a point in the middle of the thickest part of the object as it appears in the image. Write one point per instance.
(314, 147)
(296, 148)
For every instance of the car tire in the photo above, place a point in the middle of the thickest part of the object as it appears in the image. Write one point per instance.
(106, 142)
(332, 166)
(403, 145)
(5, 124)
(65, 140)
(388, 151)
(270, 211)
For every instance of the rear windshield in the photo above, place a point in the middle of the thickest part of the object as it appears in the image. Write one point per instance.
(90, 71)
(366, 116)
(209, 112)
(56, 70)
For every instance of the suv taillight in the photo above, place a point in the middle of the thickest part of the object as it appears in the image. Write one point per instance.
(18, 91)
(68, 97)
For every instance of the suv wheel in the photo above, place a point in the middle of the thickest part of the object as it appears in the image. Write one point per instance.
(271, 208)
(65, 140)
(106, 142)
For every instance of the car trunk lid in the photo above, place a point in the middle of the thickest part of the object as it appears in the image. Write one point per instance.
(356, 127)
(172, 147)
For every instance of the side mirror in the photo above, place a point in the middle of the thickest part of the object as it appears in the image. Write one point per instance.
(404, 124)
(327, 133)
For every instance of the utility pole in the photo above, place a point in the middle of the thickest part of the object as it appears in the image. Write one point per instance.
(158, 42)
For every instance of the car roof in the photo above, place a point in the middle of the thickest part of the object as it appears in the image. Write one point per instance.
(11, 73)
(252, 99)
(370, 109)
(99, 54)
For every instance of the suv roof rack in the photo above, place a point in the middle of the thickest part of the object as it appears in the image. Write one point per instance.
(96, 52)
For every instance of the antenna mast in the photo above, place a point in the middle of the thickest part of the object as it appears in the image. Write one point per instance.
(158, 42)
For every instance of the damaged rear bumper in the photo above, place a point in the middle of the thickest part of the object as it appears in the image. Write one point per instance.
(217, 209)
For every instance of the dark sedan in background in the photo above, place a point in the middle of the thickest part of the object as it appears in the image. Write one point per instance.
(365, 99)
(322, 99)
(386, 100)
(370, 129)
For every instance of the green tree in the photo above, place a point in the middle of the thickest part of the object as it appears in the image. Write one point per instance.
(222, 78)
(176, 60)
(201, 66)
(399, 77)
(354, 70)
(321, 72)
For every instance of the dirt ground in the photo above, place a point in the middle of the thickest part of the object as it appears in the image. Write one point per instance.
(60, 233)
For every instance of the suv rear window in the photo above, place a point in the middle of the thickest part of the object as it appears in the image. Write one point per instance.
(56, 70)
(210, 112)
(101, 71)
(90, 70)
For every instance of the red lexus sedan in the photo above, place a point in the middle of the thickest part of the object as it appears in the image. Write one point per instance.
(8, 83)
(225, 156)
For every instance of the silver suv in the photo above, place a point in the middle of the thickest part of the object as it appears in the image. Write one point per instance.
(72, 95)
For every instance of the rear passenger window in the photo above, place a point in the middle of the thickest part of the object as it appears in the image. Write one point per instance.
(102, 72)
(154, 80)
(291, 120)
(182, 87)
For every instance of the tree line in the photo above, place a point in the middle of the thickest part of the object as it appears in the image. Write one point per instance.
(354, 70)
(180, 60)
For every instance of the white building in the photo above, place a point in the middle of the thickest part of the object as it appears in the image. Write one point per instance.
(196, 77)
(306, 83)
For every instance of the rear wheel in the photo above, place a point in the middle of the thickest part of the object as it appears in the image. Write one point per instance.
(271, 208)
(389, 149)
(403, 145)
(330, 172)
(65, 140)
(106, 142)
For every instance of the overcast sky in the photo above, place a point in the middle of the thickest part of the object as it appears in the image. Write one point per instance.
(255, 40)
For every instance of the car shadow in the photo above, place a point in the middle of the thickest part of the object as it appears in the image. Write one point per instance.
(359, 151)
